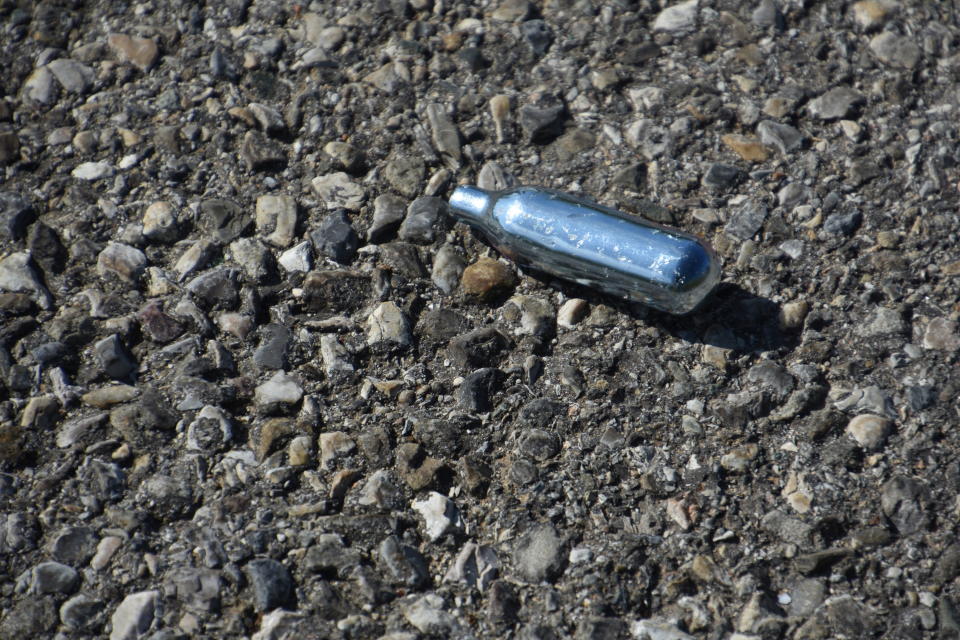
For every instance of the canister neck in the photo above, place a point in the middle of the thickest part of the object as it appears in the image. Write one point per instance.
(470, 204)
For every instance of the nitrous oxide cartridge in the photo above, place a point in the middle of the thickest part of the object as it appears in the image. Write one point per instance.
(593, 245)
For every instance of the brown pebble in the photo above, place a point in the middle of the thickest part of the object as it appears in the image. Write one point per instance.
(141, 52)
(486, 278)
(749, 149)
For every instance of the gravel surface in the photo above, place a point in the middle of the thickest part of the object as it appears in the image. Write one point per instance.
(255, 383)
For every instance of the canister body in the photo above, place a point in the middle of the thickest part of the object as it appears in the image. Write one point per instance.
(592, 245)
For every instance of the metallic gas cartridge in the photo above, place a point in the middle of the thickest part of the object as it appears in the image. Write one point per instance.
(592, 245)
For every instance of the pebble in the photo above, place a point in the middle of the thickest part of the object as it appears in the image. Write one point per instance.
(500, 112)
(268, 118)
(837, 103)
(941, 334)
(494, 178)
(73, 76)
(160, 222)
(403, 564)
(843, 223)
(884, 321)
(872, 14)
(346, 156)
(16, 214)
(388, 213)
(388, 327)
(276, 219)
(140, 52)
(123, 261)
(262, 154)
(156, 324)
(487, 279)
(297, 258)
(749, 149)
(335, 445)
(426, 614)
(537, 316)
(422, 216)
(747, 220)
(474, 394)
(448, 267)
(337, 190)
(440, 515)
(225, 220)
(900, 502)
(896, 51)
(115, 360)
(389, 78)
(254, 257)
(40, 86)
(678, 18)
(93, 171)
(337, 361)
(540, 554)
(194, 258)
(478, 348)
(134, 615)
(446, 136)
(106, 397)
(722, 176)
(767, 14)
(271, 582)
(281, 389)
(335, 238)
(81, 613)
(9, 147)
(54, 577)
(18, 273)
(541, 118)
(512, 11)
(538, 36)
(740, 459)
(105, 550)
(406, 174)
(792, 315)
(538, 444)
(572, 312)
(656, 630)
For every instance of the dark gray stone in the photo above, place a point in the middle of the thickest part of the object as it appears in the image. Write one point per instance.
(747, 220)
(224, 220)
(16, 213)
(539, 444)
(54, 577)
(842, 224)
(475, 393)
(722, 176)
(75, 546)
(82, 613)
(271, 582)
(481, 347)
(422, 215)
(403, 564)
(115, 360)
(335, 237)
(901, 500)
(542, 118)
(537, 35)
(271, 353)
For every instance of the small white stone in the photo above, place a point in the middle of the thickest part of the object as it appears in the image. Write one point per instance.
(572, 312)
(297, 258)
(93, 171)
(677, 18)
(439, 514)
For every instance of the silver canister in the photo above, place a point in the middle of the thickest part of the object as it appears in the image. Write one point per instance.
(595, 246)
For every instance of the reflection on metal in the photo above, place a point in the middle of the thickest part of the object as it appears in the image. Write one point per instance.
(592, 245)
